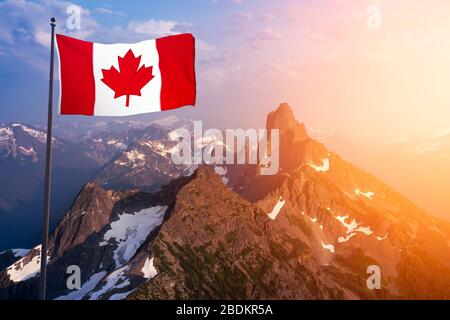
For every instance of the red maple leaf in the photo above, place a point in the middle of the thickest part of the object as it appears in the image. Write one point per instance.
(130, 80)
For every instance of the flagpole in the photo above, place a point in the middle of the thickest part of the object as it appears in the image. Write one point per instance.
(48, 173)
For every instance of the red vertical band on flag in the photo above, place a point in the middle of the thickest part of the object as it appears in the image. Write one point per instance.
(76, 76)
(177, 66)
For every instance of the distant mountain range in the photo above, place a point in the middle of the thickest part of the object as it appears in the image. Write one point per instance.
(227, 232)
(82, 152)
(22, 158)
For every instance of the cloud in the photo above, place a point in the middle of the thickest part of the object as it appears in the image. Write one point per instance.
(24, 21)
(25, 28)
(242, 16)
(262, 38)
(154, 27)
(108, 11)
(42, 37)
(6, 36)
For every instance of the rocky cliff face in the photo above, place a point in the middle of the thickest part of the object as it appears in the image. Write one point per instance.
(100, 234)
(217, 245)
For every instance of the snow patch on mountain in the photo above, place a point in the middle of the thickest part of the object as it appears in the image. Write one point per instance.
(322, 168)
(222, 171)
(209, 142)
(29, 151)
(348, 237)
(117, 144)
(39, 135)
(21, 270)
(368, 194)
(5, 133)
(131, 230)
(120, 163)
(353, 226)
(350, 226)
(174, 135)
(135, 158)
(148, 269)
(366, 230)
(328, 247)
(85, 288)
(112, 142)
(115, 280)
(158, 148)
(276, 209)
(382, 238)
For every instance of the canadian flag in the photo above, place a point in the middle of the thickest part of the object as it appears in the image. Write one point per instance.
(125, 79)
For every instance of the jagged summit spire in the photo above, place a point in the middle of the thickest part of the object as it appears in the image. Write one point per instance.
(283, 118)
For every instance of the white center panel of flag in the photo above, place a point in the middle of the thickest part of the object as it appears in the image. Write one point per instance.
(106, 56)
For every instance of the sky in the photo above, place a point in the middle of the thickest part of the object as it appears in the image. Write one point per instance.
(343, 65)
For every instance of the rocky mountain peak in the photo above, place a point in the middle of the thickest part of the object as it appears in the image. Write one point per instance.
(283, 118)
(296, 147)
(207, 173)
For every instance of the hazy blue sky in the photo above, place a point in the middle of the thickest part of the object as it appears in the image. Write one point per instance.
(320, 56)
